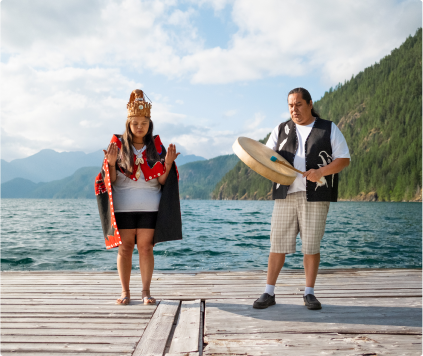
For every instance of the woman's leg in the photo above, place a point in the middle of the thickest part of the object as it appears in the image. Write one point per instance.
(145, 250)
(124, 261)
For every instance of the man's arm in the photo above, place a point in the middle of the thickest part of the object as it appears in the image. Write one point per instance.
(336, 166)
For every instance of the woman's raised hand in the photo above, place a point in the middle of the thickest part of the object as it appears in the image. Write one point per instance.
(111, 154)
(171, 154)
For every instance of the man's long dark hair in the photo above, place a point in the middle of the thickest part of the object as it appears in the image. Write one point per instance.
(126, 158)
(306, 96)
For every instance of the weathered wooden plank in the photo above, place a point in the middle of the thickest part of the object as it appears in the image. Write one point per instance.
(76, 332)
(83, 316)
(155, 336)
(54, 325)
(35, 348)
(313, 344)
(41, 353)
(71, 319)
(82, 339)
(187, 331)
(81, 308)
(363, 315)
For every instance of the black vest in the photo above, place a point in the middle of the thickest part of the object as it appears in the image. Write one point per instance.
(318, 154)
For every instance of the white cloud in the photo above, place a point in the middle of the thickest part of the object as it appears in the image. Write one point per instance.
(64, 72)
(229, 113)
(255, 123)
(277, 38)
(295, 39)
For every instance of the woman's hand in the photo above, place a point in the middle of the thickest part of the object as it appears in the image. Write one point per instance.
(111, 154)
(171, 154)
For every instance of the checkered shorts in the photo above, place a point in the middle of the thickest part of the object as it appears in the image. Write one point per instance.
(295, 215)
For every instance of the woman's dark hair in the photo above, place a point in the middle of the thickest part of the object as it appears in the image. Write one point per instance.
(306, 96)
(126, 160)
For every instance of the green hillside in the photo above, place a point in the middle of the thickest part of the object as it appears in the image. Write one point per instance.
(243, 183)
(379, 111)
(80, 185)
(197, 179)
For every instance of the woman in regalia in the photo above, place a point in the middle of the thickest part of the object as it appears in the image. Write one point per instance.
(137, 194)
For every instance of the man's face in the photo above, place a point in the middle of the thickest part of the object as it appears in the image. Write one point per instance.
(299, 109)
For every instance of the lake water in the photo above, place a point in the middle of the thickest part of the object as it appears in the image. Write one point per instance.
(218, 235)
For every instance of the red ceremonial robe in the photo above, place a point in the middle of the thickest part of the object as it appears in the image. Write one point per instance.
(168, 225)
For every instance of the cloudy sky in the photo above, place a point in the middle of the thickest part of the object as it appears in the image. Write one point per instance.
(214, 69)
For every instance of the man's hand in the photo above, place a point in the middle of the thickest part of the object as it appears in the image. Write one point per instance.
(313, 175)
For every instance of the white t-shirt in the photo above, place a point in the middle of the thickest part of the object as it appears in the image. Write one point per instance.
(337, 142)
(130, 195)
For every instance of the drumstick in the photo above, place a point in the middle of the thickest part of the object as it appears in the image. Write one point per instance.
(274, 159)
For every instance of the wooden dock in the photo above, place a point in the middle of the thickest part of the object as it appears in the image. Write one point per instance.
(365, 312)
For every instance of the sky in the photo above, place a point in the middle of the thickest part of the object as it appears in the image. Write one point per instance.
(213, 69)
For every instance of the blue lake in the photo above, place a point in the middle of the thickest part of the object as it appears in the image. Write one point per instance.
(218, 235)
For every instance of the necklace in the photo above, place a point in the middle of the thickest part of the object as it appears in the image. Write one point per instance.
(139, 160)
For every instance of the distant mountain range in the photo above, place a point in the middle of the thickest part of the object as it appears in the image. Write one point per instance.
(49, 165)
(197, 180)
(79, 185)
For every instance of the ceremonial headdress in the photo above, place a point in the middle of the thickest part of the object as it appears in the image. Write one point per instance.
(137, 105)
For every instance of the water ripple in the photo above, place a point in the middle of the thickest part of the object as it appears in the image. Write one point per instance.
(218, 235)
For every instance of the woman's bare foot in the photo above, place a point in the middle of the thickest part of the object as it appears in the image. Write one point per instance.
(124, 298)
(147, 298)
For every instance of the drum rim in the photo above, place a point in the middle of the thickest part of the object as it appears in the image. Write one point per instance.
(286, 178)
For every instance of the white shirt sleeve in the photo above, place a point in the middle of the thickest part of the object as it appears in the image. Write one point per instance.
(338, 143)
(273, 139)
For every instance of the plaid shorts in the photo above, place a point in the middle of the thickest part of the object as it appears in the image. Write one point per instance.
(295, 215)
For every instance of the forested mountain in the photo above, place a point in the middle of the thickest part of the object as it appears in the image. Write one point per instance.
(80, 185)
(379, 111)
(197, 179)
(49, 165)
(243, 183)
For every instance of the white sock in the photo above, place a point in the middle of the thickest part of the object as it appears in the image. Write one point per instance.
(270, 289)
(308, 290)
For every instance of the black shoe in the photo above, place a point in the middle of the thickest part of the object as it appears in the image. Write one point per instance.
(311, 302)
(265, 300)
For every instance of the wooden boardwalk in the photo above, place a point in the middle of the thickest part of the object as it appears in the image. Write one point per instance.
(365, 312)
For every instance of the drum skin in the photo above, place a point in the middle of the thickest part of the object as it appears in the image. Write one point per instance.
(257, 156)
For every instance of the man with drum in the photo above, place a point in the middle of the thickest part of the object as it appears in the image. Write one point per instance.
(318, 148)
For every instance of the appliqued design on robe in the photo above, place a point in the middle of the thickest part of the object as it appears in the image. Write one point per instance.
(150, 172)
(103, 190)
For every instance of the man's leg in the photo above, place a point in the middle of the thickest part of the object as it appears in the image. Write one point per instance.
(275, 264)
(312, 228)
(284, 230)
(311, 266)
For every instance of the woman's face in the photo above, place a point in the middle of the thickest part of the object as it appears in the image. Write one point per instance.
(139, 126)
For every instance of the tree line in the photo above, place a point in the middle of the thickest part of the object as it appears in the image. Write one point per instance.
(379, 111)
